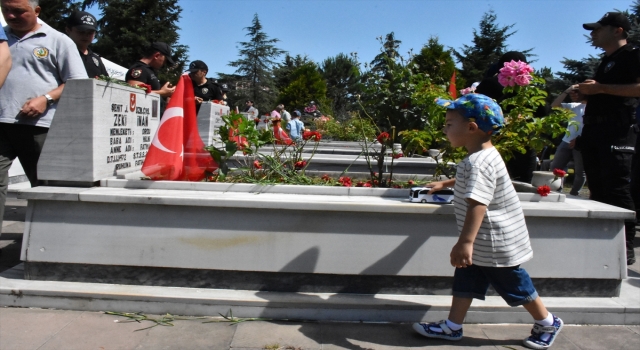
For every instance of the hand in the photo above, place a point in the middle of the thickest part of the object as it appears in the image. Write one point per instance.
(34, 107)
(461, 254)
(167, 90)
(572, 144)
(199, 100)
(572, 88)
(589, 87)
(435, 186)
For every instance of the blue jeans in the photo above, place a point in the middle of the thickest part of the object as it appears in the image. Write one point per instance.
(561, 159)
(512, 283)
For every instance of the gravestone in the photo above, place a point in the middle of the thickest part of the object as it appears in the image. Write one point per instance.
(209, 122)
(100, 128)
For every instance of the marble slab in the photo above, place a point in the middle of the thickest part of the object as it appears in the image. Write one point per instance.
(209, 122)
(100, 128)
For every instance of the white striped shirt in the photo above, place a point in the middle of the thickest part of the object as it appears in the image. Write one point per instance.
(503, 239)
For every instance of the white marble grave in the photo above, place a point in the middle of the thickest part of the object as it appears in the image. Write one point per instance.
(209, 122)
(100, 128)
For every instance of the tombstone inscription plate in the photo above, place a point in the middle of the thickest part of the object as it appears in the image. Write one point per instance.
(99, 128)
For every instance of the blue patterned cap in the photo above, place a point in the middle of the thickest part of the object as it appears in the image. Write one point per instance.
(479, 109)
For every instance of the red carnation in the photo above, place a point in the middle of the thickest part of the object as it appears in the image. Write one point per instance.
(345, 181)
(300, 164)
(147, 88)
(383, 137)
(325, 177)
(308, 135)
(559, 173)
(397, 155)
(257, 165)
(544, 190)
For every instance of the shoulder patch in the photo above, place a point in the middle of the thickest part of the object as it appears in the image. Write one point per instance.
(96, 61)
(41, 52)
(136, 73)
(205, 90)
(609, 65)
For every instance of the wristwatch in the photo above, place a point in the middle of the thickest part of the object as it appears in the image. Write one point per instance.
(50, 100)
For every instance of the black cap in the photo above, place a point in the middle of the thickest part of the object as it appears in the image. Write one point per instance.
(164, 49)
(198, 65)
(614, 19)
(82, 20)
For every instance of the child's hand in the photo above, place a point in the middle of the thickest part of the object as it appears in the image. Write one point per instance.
(461, 255)
(435, 186)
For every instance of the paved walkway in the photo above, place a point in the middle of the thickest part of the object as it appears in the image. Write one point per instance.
(24, 329)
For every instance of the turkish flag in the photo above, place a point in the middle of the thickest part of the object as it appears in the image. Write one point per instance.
(177, 151)
(452, 86)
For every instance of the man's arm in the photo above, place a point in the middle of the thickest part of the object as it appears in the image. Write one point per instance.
(5, 61)
(462, 252)
(38, 105)
(165, 91)
(592, 87)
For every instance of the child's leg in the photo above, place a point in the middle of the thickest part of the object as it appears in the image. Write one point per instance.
(459, 308)
(537, 309)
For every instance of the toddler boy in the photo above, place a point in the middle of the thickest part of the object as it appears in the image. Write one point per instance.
(493, 240)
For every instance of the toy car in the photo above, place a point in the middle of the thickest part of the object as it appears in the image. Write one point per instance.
(420, 194)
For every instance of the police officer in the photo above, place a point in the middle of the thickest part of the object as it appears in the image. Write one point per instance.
(609, 134)
(81, 28)
(205, 89)
(145, 71)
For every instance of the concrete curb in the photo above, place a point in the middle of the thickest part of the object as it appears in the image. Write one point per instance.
(17, 292)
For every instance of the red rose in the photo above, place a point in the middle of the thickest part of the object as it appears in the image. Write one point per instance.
(308, 135)
(257, 165)
(559, 173)
(398, 155)
(544, 190)
(257, 120)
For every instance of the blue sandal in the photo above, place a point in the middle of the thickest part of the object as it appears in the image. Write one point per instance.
(447, 333)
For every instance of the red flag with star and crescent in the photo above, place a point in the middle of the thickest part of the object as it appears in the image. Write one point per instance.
(177, 151)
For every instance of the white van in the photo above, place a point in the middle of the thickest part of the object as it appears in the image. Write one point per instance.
(420, 194)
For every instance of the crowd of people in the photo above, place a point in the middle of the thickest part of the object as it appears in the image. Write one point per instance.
(36, 61)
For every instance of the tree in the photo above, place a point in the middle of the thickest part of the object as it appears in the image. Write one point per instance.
(342, 74)
(436, 62)
(128, 27)
(256, 63)
(634, 15)
(282, 72)
(386, 59)
(55, 12)
(306, 85)
(489, 43)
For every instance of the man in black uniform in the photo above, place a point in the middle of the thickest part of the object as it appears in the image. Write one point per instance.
(145, 71)
(205, 89)
(81, 28)
(609, 135)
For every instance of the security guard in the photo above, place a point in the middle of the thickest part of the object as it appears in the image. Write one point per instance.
(205, 89)
(81, 28)
(609, 135)
(145, 71)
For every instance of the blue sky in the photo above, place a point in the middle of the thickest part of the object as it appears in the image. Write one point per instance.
(324, 28)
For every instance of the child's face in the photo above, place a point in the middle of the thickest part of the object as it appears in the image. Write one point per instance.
(456, 127)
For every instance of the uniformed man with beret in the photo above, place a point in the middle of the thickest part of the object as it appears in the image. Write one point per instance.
(205, 89)
(81, 28)
(145, 71)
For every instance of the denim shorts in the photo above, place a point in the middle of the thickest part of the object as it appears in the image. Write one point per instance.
(512, 283)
